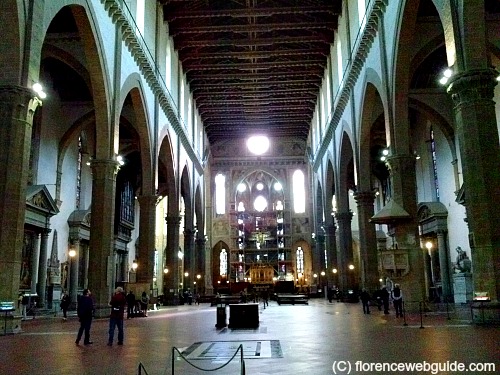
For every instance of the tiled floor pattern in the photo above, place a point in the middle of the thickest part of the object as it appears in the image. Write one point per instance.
(311, 339)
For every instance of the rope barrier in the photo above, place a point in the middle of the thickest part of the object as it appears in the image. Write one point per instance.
(242, 361)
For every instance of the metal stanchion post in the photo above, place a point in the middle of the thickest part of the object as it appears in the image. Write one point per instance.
(404, 314)
(421, 314)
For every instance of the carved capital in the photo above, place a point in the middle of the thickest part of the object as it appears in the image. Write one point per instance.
(173, 220)
(473, 86)
(104, 168)
(344, 216)
(401, 164)
(364, 198)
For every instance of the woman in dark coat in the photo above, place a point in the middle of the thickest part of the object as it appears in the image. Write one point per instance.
(65, 302)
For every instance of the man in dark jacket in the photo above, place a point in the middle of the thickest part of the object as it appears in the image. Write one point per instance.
(117, 304)
(397, 300)
(385, 299)
(85, 312)
(365, 300)
(130, 304)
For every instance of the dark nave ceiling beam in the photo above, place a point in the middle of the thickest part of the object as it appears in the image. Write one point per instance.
(253, 65)
(207, 40)
(244, 55)
(171, 15)
(253, 28)
(254, 85)
(317, 74)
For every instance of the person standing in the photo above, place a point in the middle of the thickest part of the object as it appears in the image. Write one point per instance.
(385, 299)
(365, 300)
(117, 304)
(144, 303)
(130, 304)
(397, 300)
(65, 302)
(85, 312)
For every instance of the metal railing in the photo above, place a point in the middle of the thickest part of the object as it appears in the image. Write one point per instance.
(471, 312)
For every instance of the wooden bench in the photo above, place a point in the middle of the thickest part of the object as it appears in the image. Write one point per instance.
(292, 298)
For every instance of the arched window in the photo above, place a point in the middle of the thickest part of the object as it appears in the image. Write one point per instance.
(220, 194)
(299, 201)
(300, 260)
(260, 203)
(223, 262)
(434, 163)
(339, 60)
(79, 174)
(139, 19)
(361, 14)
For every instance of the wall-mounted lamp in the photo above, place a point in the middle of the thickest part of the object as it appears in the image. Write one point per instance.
(385, 153)
(351, 267)
(447, 73)
(38, 89)
(165, 270)
(120, 160)
(134, 265)
(72, 253)
(335, 270)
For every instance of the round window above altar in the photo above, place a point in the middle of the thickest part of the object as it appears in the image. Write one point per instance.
(258, 144)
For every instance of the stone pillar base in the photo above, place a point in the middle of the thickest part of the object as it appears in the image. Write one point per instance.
(10, 324)
(485, 312)
(462, 287)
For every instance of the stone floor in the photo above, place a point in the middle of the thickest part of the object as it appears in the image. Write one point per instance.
(314, 339)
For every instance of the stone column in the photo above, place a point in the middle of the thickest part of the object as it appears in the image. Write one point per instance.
(444, 265)
(476, 127)
(344, 251)
(367, 241)
(402, 168)
(17, 106)
(147, 231)
(124, 266)
(101, 257)
(74, 266)
(35, 261)
(42, 269)
(200, 259)
(86, 260)
(331, 252)
(189, 258)
(173, 278)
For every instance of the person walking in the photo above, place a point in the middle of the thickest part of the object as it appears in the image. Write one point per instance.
(365, 300)
(65, 302)
(130, 304)
(85, 313)
(117, 304)
(265, 297)
(397, 300)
